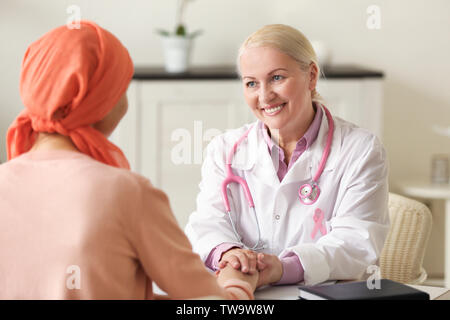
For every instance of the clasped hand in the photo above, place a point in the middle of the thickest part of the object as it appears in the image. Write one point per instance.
(268, 266)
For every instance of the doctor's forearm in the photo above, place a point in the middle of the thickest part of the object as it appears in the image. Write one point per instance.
(292, 270)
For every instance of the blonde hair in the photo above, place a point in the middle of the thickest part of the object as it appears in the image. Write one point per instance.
(287, 40)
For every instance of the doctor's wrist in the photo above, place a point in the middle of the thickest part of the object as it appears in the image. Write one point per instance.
(216, 254)
(292, 271)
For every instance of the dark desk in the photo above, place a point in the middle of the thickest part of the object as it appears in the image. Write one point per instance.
(290, 292)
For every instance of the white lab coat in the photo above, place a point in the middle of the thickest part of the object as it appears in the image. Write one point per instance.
(354, 196)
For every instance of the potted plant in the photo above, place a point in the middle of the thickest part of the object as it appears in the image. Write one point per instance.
(177, 45)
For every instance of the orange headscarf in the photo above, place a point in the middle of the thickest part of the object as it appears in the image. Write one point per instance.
(71, 79)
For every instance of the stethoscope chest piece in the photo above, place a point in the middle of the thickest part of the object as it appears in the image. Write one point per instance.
(308, 193)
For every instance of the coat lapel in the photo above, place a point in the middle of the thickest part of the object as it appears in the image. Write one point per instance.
(256, 158)
(307, 165)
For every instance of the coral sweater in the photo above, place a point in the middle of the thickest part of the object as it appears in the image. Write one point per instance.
(72, 227)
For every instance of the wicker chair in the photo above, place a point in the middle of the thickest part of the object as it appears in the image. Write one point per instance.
(404, 249)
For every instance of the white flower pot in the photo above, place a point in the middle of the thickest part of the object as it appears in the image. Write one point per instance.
(176, 53)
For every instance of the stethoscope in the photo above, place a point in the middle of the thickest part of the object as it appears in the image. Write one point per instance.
(308, 193)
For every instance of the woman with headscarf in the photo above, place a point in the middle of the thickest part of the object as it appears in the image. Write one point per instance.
(75, 223)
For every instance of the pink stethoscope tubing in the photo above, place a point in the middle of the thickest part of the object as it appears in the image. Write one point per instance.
(308, 193)
(232, 178)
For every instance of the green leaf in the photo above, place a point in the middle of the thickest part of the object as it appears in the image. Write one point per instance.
(195, 34)
(180, 31)
(162, 32)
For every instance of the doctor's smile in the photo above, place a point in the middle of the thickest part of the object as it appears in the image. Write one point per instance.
(274, 109)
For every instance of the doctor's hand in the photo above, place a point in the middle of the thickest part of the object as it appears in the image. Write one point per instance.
(240, 259)
(270, 269)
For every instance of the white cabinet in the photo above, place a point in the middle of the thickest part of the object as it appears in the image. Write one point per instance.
(170, 122)
(168, 126)
(359, 101)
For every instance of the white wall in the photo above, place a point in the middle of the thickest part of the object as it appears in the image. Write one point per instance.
(412, 48)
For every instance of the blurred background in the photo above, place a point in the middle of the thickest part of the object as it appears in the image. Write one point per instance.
(410, 47)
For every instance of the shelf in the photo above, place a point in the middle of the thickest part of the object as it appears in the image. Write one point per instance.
(230, 73)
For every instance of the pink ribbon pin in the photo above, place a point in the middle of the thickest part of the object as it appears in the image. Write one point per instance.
(318, 223)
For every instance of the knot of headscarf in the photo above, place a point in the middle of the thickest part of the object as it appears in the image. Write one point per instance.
(71, 79)
(47, 125)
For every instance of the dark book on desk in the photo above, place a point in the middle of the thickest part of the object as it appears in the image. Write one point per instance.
(388, 290)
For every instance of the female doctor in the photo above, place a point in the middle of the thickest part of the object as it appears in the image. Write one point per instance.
(300, 194)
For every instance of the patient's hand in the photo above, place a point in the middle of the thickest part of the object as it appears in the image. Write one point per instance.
(268, 266)
(228, 272)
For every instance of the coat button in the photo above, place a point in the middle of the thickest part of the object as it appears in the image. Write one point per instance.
(277, 217)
